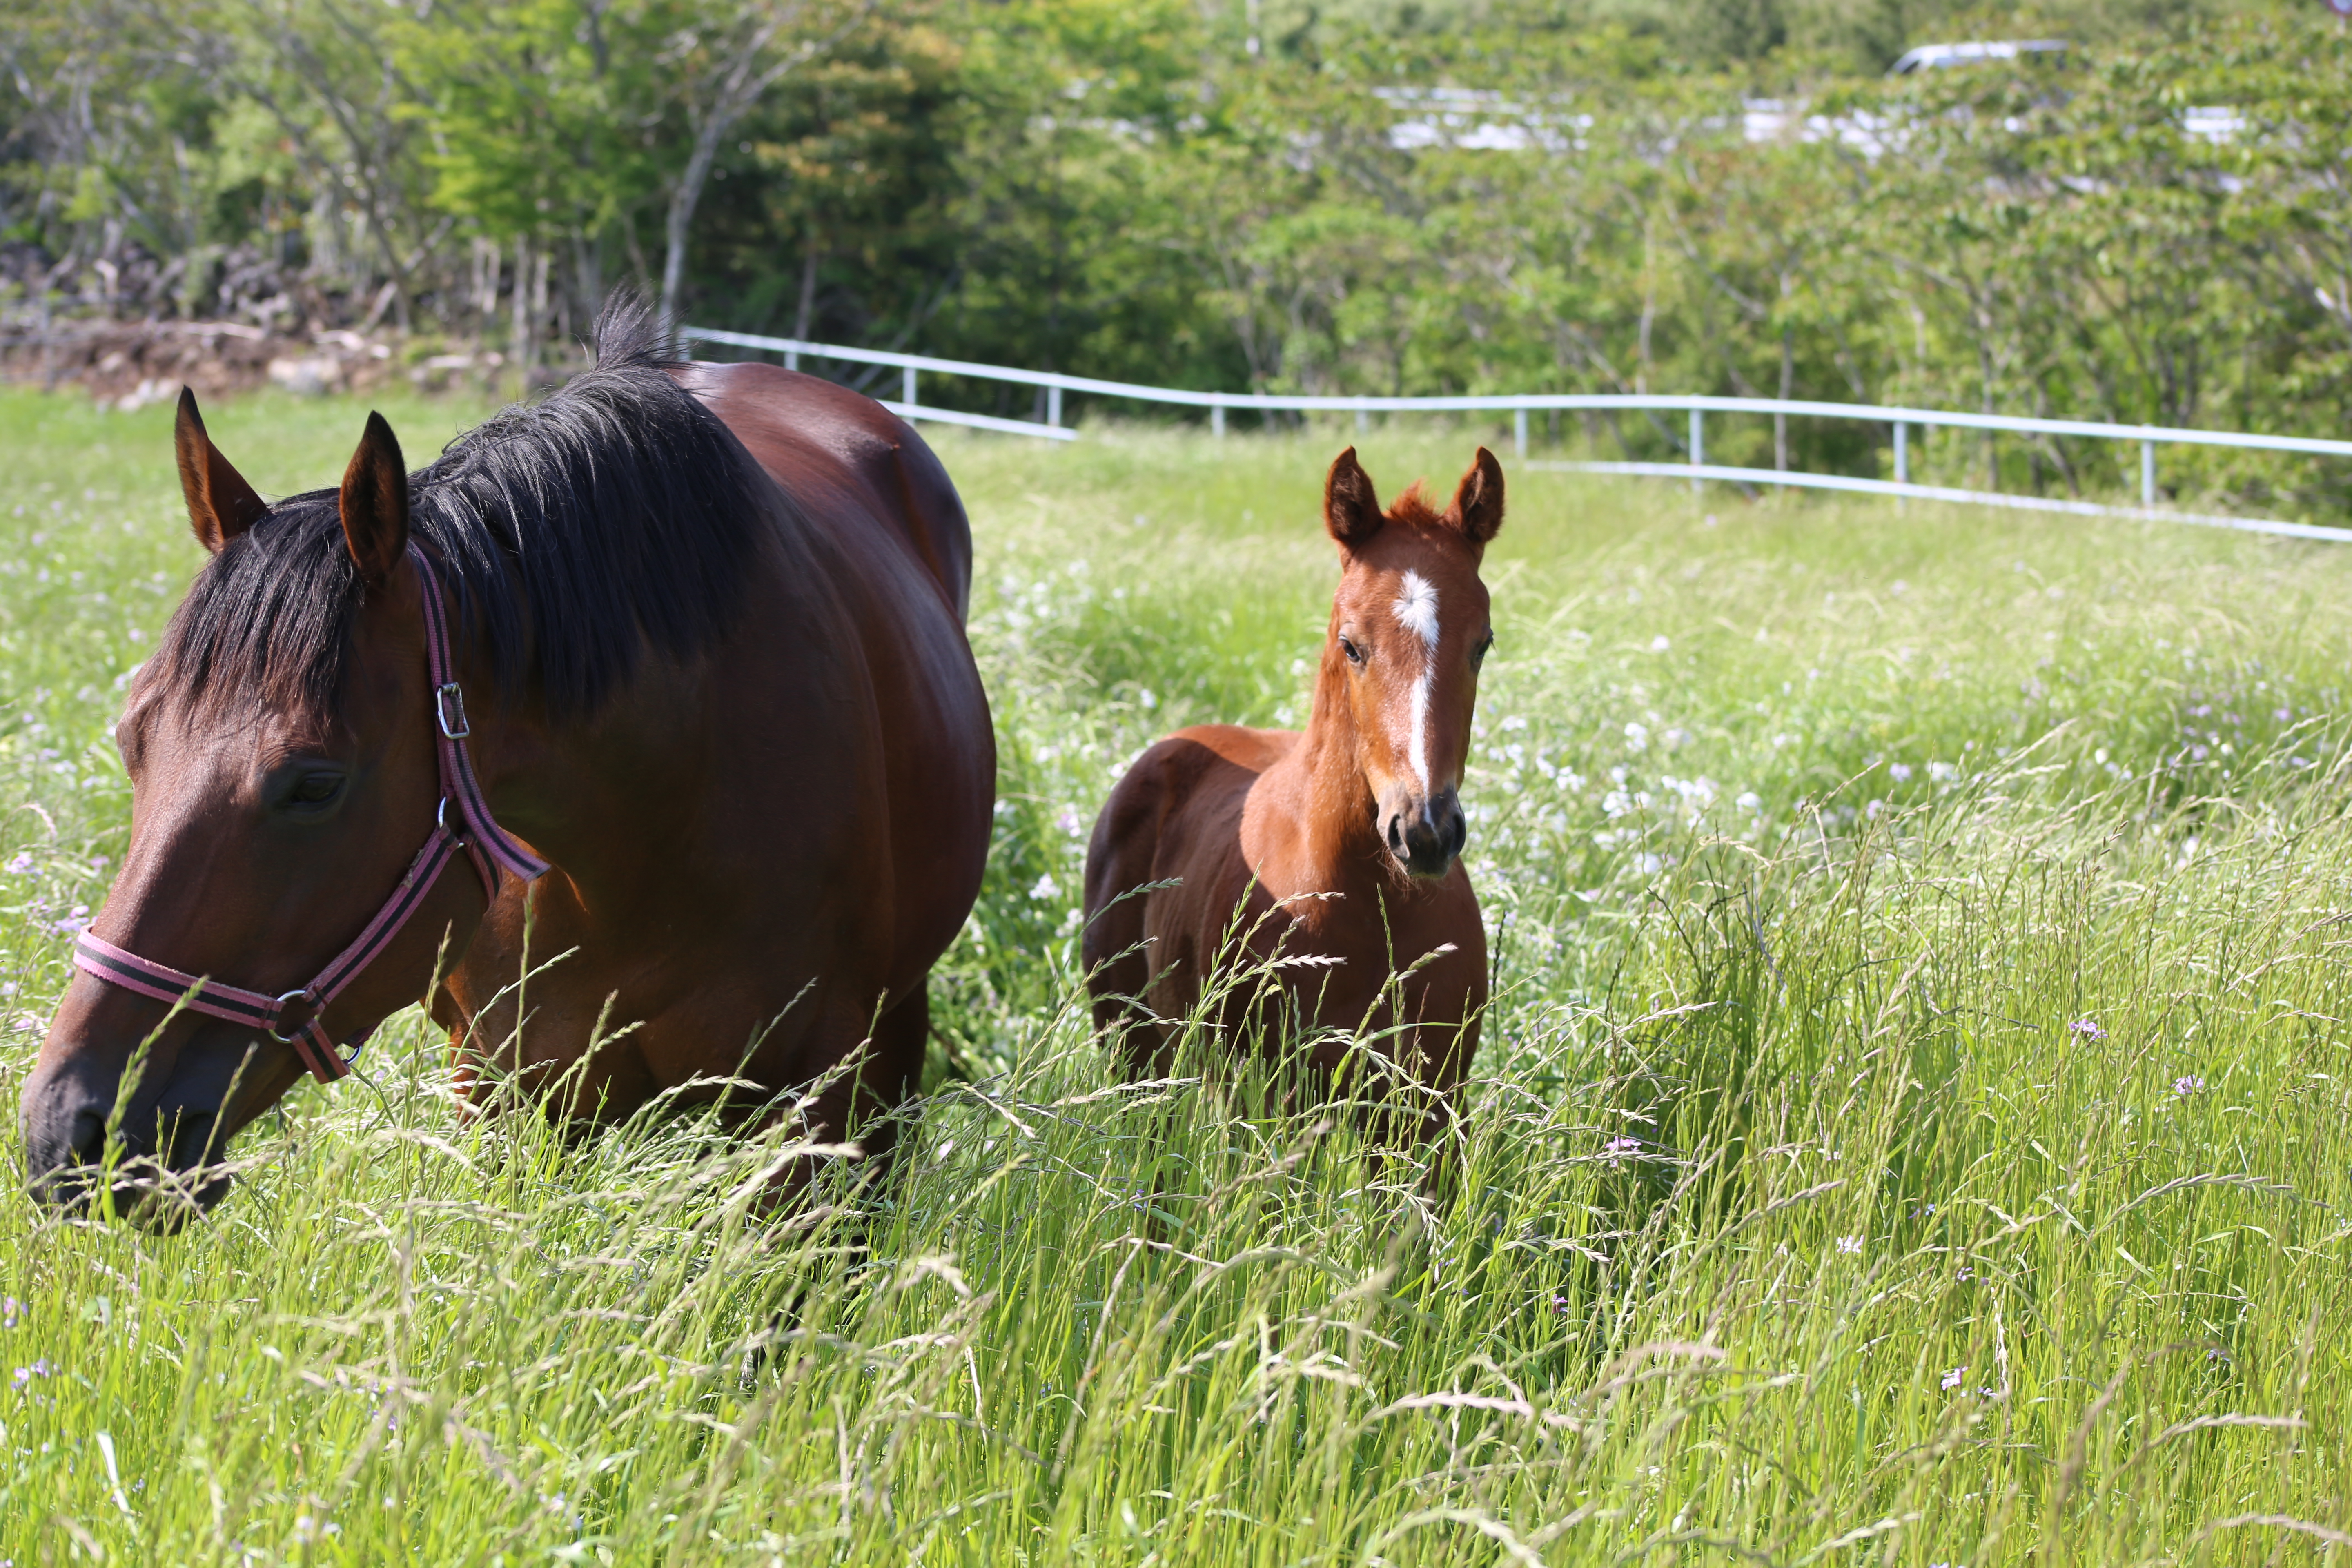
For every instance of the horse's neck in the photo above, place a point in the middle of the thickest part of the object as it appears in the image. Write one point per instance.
(1335, 801)
(596, 795)
(617, 798)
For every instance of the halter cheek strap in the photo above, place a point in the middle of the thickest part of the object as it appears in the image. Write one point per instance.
(296, 1017)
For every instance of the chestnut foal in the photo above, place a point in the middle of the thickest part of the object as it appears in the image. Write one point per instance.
(1335, 852)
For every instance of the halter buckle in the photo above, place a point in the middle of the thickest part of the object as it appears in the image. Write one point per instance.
(443, 696)
(287, 1038)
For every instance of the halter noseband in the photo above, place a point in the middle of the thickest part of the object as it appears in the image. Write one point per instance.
(295, 1017)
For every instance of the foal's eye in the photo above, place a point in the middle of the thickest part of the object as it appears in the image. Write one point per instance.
(315, 790)
(1478, 655)
(1355, 654)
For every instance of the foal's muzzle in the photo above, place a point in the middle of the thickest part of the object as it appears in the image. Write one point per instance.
(1426, 835)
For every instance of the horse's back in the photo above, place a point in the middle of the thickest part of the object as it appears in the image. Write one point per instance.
(1184, 794)
(817, 439)
(893, 728)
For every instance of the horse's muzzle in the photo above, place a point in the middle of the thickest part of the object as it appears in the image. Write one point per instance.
(1426, 835)
(156, 1168)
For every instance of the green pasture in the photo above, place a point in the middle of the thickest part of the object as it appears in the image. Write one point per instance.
(1911, 1127)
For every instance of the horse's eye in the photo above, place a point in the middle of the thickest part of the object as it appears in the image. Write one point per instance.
(1355, 654)
(315, 789)
(1478, 655)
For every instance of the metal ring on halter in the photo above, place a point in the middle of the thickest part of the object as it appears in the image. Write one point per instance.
(441, 819)
(301, 995)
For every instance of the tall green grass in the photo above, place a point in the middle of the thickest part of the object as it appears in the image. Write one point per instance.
(1909, 1130)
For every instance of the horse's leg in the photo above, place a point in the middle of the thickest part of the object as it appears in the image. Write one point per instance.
(894, 1071)
(864, 1104)
(878, 1067)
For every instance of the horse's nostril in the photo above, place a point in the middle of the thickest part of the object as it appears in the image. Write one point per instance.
(85, 1137)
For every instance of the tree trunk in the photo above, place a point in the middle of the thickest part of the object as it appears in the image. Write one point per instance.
(523, 349)
(804, 319)
(588, 273)
(739, 89)
(682, 201)
(1787, 385)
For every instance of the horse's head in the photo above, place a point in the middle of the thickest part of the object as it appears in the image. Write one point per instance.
(1408, 629)
(282, 769)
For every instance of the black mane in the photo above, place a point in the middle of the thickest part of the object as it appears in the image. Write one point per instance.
(617, 513)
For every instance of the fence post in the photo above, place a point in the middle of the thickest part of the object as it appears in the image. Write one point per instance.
(792, 358)
(1217, 420)
(2148, 473)
(1519, 432)
(1053, 406)
(1698, 448)
(1902, 458)
(908, 380)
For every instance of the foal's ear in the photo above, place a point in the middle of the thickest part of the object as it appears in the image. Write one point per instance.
(1351, 510)
(375, 503)
(1479, 503)
(221, 505)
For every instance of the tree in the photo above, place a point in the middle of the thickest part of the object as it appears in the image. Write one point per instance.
(723, 61)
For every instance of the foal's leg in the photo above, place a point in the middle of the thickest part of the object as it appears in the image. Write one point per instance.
(1118, 974)
(1444, 1054)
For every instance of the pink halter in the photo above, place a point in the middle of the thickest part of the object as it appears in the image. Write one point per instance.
(296, 1017)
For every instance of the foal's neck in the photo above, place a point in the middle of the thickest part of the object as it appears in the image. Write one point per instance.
(1339, 829)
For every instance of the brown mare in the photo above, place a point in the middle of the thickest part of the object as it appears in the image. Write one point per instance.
(709, 663)
(1340, 845)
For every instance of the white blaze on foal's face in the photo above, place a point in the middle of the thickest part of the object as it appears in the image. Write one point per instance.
(1416, 611)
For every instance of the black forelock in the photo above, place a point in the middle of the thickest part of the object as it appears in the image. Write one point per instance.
(615, 514)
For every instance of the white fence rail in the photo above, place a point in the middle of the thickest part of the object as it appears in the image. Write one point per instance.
(1697, 469)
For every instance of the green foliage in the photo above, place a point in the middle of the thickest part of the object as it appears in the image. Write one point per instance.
(1479, 195)
(514, 83)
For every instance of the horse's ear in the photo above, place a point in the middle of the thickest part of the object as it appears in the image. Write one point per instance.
(1351, 510)
(1479, 503)
(221, 505)
(375, 503)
